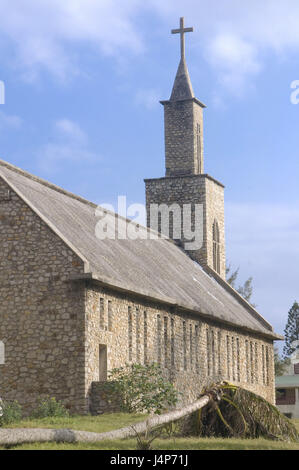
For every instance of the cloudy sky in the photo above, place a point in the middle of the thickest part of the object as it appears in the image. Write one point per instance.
(83, 80)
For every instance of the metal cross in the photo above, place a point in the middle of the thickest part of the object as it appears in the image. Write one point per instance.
(182, 32)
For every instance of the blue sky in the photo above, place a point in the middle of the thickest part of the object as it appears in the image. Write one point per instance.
(83, 82)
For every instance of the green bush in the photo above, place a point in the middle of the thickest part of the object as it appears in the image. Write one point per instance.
(50, 407)
(142, 388)
(10, 412)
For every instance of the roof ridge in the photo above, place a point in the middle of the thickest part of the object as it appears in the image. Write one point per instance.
(61, 190)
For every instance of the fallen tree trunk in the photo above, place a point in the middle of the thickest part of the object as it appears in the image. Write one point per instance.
(15, 436)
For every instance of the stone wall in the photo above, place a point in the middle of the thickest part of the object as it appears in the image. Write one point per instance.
(183, 122)
(103, 399)
(196, 189)
(41, 312)
(191, 351)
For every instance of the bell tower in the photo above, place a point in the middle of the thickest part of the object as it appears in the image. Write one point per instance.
(186, 189)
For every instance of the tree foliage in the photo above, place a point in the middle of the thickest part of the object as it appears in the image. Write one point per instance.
(245, 290)
(291, 331)
(280, 363)
(143, 388)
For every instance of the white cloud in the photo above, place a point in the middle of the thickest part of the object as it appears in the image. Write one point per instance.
(232, 35)
(9, 121)
(71, 130)
(149, 98)
(69, 145)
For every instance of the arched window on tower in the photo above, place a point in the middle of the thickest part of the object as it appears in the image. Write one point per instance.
(216, 247)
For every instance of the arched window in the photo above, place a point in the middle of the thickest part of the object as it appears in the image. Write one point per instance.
(216, 247)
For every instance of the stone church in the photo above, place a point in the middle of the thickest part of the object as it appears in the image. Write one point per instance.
(74, 306)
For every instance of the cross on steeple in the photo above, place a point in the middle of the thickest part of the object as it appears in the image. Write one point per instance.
(182, 30)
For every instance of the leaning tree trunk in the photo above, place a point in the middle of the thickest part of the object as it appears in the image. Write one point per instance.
(21, 436)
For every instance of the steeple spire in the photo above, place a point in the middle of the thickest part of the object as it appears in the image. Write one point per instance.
(182, 88)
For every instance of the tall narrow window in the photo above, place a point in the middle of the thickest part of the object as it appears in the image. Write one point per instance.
(216, 247)
(238, 360)
(219, 353)
(102, 313)
(165, 341)
(233, 359)
(130, 333)
(185, 345)
(196, 348)
(110, 315)
(247, 361)
(145, 336)
(267, 365)
(137, 336)
(172, 343)
(263, 364)
(159, 339)
(198, 144)
(209, 351)
(191, 347)
(228, 357)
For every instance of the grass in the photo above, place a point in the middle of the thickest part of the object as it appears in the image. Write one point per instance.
(102, 423)
(108, 422)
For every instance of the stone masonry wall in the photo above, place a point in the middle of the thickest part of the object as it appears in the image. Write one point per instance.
(41, 312)
(196, 189)
(191, 350)
(183, 122)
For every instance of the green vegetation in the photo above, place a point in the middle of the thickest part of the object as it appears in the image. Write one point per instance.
(142, 389)
(109, 422)
(291, 332)
(10, 412)
(50, 407)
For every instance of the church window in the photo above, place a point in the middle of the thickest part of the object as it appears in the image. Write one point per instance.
(137, 336)
(2, 353)
(263, 364)
(130, 333)
(228, 358)
(251, 363)
(219, 353)
(216, 247)
(102, 313)
(233, 359)
(238, 360)
(256, 363)
(198, 144)
(247, 361)
(196, 348)
(184, 345)
(267, 365)
(145, 336)
(172, 343)
(159, 339)
(166, 341)
(110, 315)
(213, 355)
(191, 347)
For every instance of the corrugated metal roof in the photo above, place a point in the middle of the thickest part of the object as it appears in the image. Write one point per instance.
(157, 267)
(287, 381)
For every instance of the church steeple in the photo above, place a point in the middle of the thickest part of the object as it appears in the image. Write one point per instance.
(186, 186)
(182, 87)
(183, 116)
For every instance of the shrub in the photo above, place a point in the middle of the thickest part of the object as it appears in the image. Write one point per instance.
(50, 407)
(142, 388)
(10, 412)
